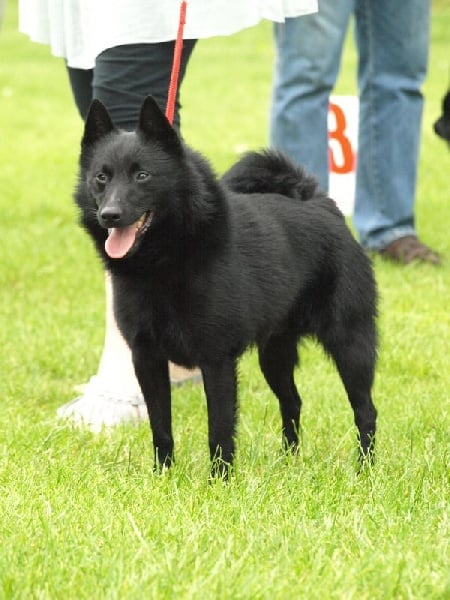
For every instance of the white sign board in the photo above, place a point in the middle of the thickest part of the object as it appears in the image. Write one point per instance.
(343, 116)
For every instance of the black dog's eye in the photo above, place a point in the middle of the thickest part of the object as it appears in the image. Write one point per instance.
(141, 176)
(101, 178)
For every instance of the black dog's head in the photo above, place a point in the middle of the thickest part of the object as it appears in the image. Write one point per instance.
(126, 177)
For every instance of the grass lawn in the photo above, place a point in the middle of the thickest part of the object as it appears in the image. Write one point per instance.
(82, 516)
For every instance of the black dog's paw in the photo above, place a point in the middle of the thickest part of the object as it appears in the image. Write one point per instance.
(366, 456)
(220, 471)
(161, 466)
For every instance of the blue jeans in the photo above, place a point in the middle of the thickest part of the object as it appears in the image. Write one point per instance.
(392, 39)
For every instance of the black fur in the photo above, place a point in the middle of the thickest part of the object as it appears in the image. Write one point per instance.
(442, 125)
(261, 257)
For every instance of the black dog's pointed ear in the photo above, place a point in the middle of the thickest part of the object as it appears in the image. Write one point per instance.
(153, 124)
(98, 123)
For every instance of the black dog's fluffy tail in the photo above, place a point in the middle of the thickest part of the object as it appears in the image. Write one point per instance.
(271, 172)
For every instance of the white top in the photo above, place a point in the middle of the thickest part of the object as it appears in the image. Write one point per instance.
(79, 30)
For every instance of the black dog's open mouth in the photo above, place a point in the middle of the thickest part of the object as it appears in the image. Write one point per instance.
(121, 240)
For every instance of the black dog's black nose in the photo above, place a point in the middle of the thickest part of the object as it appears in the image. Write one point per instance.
(110, 215)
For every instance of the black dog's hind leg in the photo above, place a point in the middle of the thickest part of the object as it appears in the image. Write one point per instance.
(277, 358)
(220, 383)
(354, 353)
(153, 378)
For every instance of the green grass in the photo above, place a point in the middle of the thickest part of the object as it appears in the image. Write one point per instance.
(82, 515)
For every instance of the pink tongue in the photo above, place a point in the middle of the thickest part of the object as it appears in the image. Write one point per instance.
(120, 241)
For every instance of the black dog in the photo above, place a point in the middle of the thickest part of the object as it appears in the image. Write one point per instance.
(442, 125)
(203, 268)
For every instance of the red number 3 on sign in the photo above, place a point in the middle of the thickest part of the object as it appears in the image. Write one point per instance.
(343, 150)
(340, 151)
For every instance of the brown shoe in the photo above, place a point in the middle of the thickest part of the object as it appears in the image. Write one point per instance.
(180, 375)
(408, 249)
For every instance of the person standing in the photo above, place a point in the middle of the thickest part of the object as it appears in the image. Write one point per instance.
(120, 52)
(392, 40)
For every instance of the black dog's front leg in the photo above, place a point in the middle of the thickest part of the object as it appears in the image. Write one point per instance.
(153, 377)
(220, 385)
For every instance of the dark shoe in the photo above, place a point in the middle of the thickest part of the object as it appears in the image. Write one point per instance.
(408, 249)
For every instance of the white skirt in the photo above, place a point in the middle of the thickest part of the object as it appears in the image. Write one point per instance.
(79, 30)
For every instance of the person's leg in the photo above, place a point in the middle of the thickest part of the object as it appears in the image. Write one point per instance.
(112, 395)
(393, 41)
(115, 369)
(81, 85)
(122, 77)
(308, 54)
(125, 75)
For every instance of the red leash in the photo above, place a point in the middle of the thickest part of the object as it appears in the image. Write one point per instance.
(171, 97)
